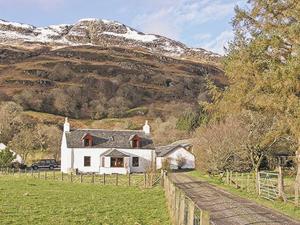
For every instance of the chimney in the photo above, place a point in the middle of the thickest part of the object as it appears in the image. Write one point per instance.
(66, 125)
(146, 128)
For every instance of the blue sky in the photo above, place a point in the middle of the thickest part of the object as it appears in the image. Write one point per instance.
(197, 23)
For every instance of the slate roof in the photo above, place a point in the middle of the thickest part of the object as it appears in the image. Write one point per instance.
(114, 153)
(164, 150)
(108, 139)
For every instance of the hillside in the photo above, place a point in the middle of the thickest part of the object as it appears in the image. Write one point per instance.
(97, 68)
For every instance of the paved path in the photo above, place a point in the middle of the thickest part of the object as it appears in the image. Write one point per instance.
(226, 208)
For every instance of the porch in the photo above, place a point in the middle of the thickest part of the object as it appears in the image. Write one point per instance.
(114, 161)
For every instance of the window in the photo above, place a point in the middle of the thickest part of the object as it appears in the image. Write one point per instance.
(87, 160)
(87, 140)
(116, 162)
(135, 161)
(135, 143)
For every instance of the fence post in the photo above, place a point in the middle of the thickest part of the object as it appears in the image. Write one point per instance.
(145, 180)
(45, 175)
(117, 179)
(191, 212)
(81, 177)
(31, 172)
(62, 176)
(128, 179)
(53, 175)
(104, 178)
(242, 181)
(247, 183)
(71, 177)
(93, 178)
(181, 207)
(236, 180)
(281, 184)
(230, 178)
(162, 173)
(39, 174)
(204, 218)
(227, 177)
(258, 183)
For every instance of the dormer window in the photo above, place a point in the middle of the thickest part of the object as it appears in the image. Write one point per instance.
(87, 140)
(135, 141)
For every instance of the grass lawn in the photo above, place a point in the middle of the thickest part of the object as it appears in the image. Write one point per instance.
(32, 201)
(285, 208)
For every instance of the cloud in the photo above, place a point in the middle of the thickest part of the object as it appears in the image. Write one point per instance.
(171, 17)
(217, 45)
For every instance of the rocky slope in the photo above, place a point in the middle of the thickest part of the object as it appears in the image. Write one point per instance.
(98, 68)
(100, 33)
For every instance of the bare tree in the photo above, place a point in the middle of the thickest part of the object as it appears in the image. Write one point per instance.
(9, 112)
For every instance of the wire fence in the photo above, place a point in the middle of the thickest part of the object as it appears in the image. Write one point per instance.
(144, 180)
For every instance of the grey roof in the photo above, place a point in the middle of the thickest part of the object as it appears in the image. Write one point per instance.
(164, 150)
(108, 139)
(114, 153)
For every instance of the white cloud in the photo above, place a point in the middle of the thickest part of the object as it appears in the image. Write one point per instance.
(217, 45)
(171, 17)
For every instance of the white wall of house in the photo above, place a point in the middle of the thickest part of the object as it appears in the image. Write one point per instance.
(159, 162)
(65, 155)
(71, 161)
(174, 155)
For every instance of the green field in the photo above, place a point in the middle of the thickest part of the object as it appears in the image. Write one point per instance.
(32, 201)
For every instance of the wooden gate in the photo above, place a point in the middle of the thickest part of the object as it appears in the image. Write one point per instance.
(268, 185)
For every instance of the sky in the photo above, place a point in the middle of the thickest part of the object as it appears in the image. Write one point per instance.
(196, 23)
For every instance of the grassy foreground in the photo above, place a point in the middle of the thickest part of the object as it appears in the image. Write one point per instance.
(32, 201)
(285, 208)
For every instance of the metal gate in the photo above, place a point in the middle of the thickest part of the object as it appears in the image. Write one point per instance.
(268, 185)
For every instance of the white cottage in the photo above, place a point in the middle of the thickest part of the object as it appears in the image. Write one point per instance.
(176, 155)
(106, 151)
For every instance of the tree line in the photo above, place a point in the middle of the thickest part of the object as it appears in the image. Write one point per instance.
(258, 115)
(25, 136)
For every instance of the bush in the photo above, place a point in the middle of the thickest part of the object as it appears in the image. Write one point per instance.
(6, 157)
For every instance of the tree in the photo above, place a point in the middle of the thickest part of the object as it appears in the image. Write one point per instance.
(49, 139)
(9, 114)
(219, 146)
(6, 157)
(262, 67)
(25, 143)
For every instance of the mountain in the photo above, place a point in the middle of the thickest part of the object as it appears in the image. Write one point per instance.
(100, 33)
(98, 68)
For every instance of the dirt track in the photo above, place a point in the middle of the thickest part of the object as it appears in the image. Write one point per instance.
(226, 208)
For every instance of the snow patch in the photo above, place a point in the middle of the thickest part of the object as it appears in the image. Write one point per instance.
(134, 35)
(19, 25)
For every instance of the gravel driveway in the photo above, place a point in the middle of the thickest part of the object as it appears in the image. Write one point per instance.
(226, 208)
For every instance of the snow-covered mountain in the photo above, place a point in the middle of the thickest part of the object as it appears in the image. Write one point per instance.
(99, 33)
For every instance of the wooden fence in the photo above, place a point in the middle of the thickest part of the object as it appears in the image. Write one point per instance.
(183, 211)
(144, 180)
(266, 184)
